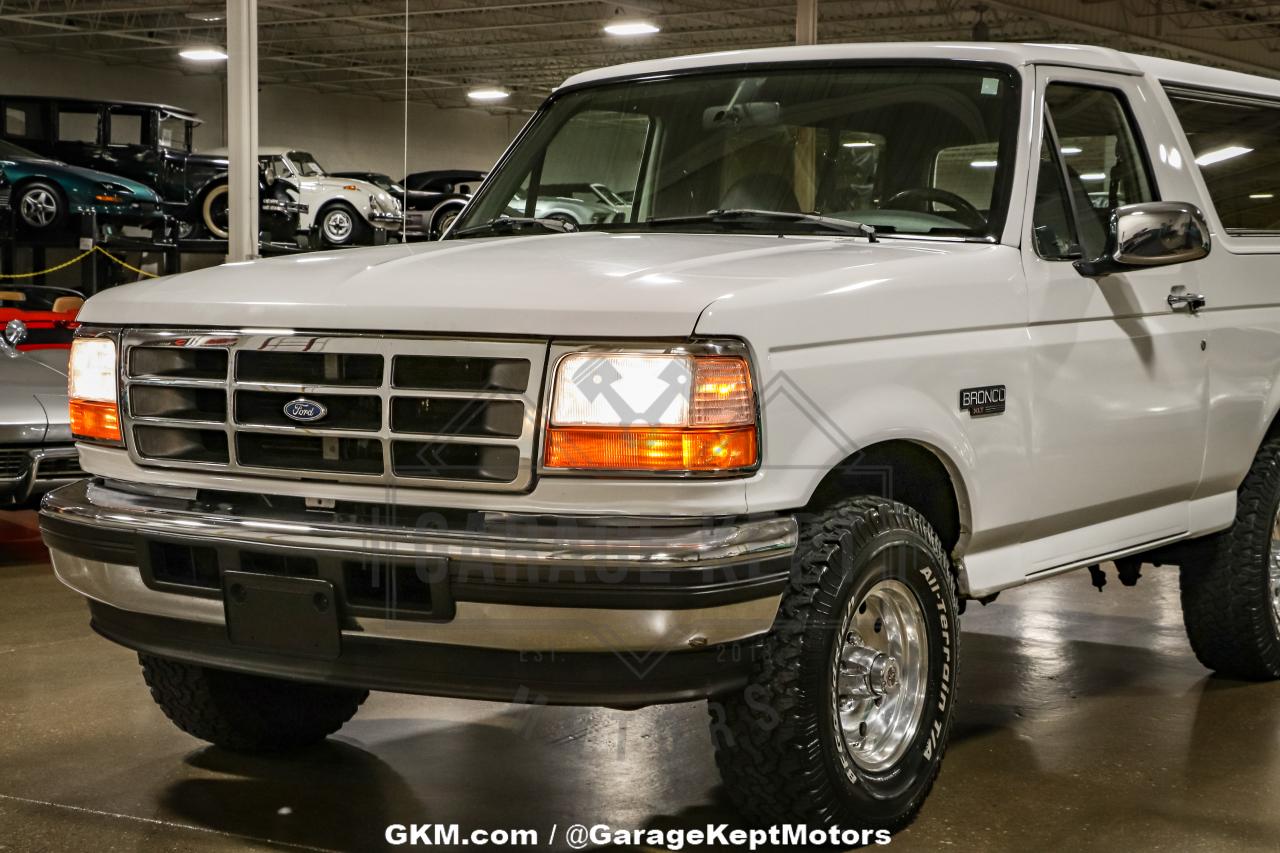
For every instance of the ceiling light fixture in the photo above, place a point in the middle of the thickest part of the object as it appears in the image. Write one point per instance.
(1208, 158)
(632, 28)
(1262, 195)
(203, 54)
(1094, 176)
(488, 94)
(983, 164)
(1070, 149)
(864, 143)
(209, 17)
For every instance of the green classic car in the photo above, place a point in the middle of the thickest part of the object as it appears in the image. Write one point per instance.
(42, 194)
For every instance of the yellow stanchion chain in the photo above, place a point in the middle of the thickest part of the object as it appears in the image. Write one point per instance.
(77, 259)
(123, 264)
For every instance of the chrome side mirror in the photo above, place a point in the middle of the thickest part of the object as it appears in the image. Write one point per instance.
(1151, 234)
(15, 332)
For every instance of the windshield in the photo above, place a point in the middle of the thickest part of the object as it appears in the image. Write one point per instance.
(30, 298)
(306, 164)
(383, 182)
(909, 150)
(173, 132)
(8, 149)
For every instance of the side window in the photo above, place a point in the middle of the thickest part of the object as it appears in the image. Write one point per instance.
(77, 126)
(1104, 166)
(126, 129)
(1052, 225)
(277, 168)
(24, 120)
(1234, 146)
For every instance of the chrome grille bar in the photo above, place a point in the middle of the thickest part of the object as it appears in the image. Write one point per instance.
(185, 406)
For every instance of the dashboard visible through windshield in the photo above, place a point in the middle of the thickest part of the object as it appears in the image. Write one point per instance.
(906, 149)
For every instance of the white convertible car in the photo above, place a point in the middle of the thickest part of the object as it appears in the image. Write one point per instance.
(340, 211)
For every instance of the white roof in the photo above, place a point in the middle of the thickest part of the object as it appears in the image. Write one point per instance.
(1083, 56)
(1073, 55)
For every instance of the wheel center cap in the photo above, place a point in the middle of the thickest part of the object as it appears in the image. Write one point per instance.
(883, 677)
(876, 674)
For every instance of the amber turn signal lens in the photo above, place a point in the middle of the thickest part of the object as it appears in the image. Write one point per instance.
(643, 449)
(95, 420)
(722, 394)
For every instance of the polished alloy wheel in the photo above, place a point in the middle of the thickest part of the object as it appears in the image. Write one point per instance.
(880, 675)
(1274, 571)
(338, 226)
(39, 207)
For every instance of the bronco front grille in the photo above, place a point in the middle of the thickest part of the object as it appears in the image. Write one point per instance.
(390, 410)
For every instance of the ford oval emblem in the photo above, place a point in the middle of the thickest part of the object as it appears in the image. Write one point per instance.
(304, 410)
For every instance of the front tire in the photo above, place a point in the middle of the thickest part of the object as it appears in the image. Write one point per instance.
(215, 212)
(442, 219)
(247, 713)
(339, 226)
(1231, 584)
(848, 711)
(40, 207)
(565, 219)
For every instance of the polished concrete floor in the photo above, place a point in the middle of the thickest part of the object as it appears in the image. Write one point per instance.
(1084, 723)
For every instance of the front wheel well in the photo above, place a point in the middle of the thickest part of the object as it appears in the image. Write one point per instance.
(55, 184)
(330, 204)
(904, 471)
(455, 206)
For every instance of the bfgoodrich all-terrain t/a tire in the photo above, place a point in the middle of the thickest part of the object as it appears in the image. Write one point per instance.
(1231, 583)
(247, 713)
(848, 712)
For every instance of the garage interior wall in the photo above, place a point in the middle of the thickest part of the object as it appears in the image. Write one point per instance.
(343, 132)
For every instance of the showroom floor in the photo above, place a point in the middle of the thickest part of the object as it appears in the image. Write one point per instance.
(1084, 720)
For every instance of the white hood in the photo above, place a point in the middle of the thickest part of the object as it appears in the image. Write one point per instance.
(589, 284)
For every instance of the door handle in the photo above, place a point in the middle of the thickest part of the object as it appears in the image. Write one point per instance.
(1193, 302)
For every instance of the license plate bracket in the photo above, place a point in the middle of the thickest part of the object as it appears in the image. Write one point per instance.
(290, 616)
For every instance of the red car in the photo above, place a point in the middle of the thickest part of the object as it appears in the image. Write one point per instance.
(49, 312)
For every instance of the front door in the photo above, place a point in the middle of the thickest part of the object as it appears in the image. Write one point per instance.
(1118, 417)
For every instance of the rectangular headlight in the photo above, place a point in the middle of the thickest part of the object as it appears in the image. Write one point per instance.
(92, 389)
(660, 412)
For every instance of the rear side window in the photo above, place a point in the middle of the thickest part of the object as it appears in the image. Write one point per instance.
(1234, 143)
(77, 126)
(126, 129)
(24, 120)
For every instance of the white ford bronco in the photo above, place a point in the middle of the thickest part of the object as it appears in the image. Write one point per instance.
(879, 330)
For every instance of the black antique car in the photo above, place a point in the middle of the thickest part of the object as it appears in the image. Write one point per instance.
(147, 143)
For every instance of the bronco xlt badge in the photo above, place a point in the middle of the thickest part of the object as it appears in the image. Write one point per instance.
(987, 400)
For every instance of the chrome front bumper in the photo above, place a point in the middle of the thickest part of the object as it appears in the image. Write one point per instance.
(568, 584)
(386, 220)
(17, 490)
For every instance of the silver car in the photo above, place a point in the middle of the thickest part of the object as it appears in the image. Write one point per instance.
(36, 450)
(587, 204)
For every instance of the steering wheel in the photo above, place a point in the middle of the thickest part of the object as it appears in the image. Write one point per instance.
(918, 198)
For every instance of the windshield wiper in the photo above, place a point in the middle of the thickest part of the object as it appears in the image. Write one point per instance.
(513, 224)
(748, 216)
